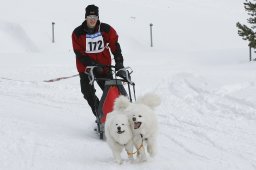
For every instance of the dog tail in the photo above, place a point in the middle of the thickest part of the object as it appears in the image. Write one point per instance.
(121, 103)
(150, 99)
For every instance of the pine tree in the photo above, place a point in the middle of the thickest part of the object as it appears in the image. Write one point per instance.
(247, 33)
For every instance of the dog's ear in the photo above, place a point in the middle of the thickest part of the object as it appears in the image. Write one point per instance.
(150, 99)
(121, 103)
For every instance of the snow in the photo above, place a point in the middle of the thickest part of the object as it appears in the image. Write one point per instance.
(198, 65)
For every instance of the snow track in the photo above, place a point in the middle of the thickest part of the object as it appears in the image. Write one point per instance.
(198, 123)
(207, 124)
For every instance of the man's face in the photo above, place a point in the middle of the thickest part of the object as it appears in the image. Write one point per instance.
(91, 20)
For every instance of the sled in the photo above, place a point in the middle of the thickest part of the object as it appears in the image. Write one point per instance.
(113, 88)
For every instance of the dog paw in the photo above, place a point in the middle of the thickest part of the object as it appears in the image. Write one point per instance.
(119, 161)
(152, 153)
(141, 159)
(151, 150)
(131, 160)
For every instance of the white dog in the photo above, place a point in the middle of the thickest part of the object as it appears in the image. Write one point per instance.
(118, 132)
(143, 122)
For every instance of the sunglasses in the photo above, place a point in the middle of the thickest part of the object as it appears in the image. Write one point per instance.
(92, 17)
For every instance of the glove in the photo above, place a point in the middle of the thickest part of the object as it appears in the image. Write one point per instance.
(98, 71)
(119, 66)
(122, 74)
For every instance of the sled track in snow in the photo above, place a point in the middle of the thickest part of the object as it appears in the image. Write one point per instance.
(200, 116)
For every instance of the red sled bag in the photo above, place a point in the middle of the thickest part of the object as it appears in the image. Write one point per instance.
(112, 89)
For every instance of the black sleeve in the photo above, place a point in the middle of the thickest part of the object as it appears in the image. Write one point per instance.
(114, 44)
(85, 60)
(118, 54)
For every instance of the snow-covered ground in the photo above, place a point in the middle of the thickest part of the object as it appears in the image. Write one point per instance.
(198, 65)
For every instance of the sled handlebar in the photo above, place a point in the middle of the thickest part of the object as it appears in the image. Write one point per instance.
(128, 71)
(89, 72)
(127, 74)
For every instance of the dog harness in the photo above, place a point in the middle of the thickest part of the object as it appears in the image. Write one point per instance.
(141, 146)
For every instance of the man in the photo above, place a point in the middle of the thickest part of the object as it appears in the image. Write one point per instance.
(92, 43)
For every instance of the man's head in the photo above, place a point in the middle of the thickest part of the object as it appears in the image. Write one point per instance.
(91, 10)
(91, 15)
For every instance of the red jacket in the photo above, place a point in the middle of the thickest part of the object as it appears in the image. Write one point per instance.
(82, 40)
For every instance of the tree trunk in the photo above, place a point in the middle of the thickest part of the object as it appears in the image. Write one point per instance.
(250, 53)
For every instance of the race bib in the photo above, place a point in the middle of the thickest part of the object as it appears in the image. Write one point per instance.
(94, 43)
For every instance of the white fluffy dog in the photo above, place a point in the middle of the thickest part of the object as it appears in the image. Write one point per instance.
(118, 132)
(143, 122)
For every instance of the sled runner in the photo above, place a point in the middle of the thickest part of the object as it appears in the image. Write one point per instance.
(113, 88)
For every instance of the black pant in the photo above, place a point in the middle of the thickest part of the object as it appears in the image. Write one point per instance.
(89, 90)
